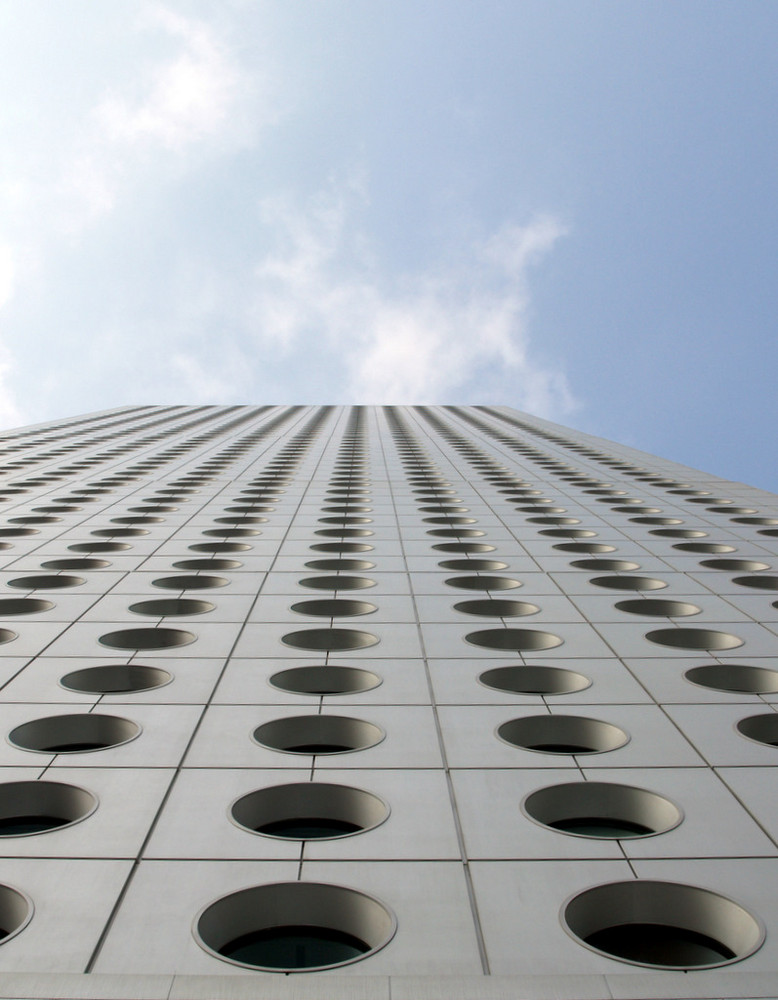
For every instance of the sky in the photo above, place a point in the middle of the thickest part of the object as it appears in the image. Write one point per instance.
(565, 206)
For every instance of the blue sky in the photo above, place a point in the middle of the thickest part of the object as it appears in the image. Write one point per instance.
(566, 207)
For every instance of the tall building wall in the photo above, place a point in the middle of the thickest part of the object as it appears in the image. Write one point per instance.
(490, 700)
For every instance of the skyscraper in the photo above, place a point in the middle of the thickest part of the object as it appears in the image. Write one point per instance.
(418, 701)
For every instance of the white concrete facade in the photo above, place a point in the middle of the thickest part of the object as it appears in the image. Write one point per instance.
(615, 740)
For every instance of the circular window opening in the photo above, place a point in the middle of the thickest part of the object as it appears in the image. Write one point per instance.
(336, 565)
(707, 547)
(605, 565)
(472, 565)
(231, 532)
(24, 606)
(294, 926)
(694, 638)
(309, 811)
(514, 639)
(496, 608)
(118, 532)
(562, 734)
(656, 520)
(658, 608)
(347, 508)
(628, 582)
(456, 532)
(207, 564)
(760, 728)
(16, 911)
(329, 639)
(757, 582)
(463, 547)
(593, 548)
(75, 564)
(325, 680)
(189, 582)
(602, 810)
(664, 925)
(534, 680)
(678, 533)
(735, 565)
(568, 533)
(483, 583)
(737, 677)
(45, 582)
(337, 582)
(333, 607)
(219, 547)
(165, 607)
(30, 807)
(73, 733)
(342, 547)
(99, 547)
(119, 678)
(318, 734)
(147, 638)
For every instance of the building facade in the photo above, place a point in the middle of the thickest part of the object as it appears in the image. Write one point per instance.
(382, 702)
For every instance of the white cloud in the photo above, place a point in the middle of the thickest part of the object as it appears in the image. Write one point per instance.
(11, 414)
(78, 149)
(194, 378)
(183, 100)
(144, 123)
(454, 329)
(319, 314)
(195, 102)
(7, 274)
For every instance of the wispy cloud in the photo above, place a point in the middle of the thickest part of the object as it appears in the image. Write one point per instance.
(11, 414)
(195, 99)
(454, 328)
(186, 99)
(193, 103)
(299, 301)
(7, 274)
(183, 100)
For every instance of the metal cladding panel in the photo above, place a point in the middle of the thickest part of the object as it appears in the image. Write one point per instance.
(419, 701)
